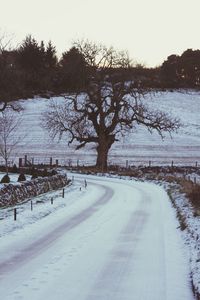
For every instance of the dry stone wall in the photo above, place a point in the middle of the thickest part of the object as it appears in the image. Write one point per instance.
(12, 194)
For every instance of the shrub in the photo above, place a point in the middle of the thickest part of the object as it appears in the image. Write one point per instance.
(5, 179)
(21, 177)
(54, 172)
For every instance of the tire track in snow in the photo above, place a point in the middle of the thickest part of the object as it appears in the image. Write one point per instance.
(35, 248)
(137, 266)
(111, 284)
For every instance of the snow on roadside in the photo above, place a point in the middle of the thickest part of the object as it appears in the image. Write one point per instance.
(190, 234)
(42, 207)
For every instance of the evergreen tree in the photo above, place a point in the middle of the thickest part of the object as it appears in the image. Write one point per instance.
(50, 57)
(73, 70)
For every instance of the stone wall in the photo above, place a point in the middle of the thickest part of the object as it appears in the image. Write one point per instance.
(12, 194)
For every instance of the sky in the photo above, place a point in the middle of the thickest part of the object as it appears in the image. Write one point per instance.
(150, 30)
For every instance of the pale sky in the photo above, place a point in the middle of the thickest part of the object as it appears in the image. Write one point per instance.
(150, 30)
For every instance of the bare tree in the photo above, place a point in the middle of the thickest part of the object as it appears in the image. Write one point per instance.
(9, 139)
(98, 56)
(105, 110)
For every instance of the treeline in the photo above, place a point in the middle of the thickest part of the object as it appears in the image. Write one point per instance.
(181, 71)
(177, 71)
(34, 69)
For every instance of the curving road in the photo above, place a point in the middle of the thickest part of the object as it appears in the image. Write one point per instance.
(119, 243)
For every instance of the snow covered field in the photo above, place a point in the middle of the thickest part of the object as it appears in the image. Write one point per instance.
(114, 240)
(137, 147)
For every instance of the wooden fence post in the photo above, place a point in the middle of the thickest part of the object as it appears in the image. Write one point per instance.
(20, 162)
(25, 160)
(51, 200)
(31, 205)
(15, 214)
(63, 193)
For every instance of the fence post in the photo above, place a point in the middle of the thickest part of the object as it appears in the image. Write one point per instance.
(25, 160)
(15, 214)
(172, 164)
(149, 164)
(51, 200)
(51, 161)
(31, 205)
(63, 193)
(20, 162)
(56, 162)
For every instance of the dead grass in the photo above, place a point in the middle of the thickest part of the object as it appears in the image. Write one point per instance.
(176, 175)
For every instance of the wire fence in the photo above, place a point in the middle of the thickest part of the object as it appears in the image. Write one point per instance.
(112, 161)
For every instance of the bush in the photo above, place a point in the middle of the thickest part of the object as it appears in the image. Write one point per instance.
(21, 177)
(54, 172)
(5, 179)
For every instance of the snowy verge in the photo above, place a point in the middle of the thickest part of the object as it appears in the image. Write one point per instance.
(190, 231)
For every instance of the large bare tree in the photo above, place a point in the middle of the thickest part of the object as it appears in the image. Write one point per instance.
(107, 108)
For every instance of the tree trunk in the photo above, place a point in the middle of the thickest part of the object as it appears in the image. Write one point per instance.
(6, 165)
(105, 142)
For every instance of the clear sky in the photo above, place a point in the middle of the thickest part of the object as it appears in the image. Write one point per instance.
(149, 29)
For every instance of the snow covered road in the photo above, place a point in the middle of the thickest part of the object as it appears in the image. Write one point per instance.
(117, 242)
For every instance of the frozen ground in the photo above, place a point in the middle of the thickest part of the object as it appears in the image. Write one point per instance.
(138, 147)
(114, 240)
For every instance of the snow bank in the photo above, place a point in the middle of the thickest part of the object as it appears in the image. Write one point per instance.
(190, 232)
